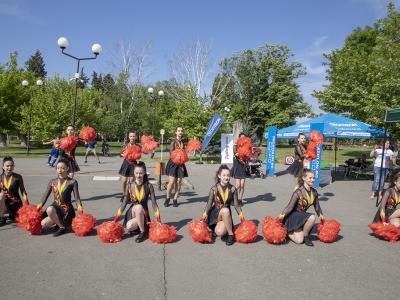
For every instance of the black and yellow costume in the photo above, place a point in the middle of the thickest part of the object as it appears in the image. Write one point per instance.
(139, 195)
(299, 155)
(62, 190)
(239, 168)
(70, 157)
(219, 198)
(127, 166)
(11, 186)
(172, 169)
(295, 214)
(389, 203)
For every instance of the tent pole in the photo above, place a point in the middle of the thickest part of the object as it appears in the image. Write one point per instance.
(334, 149)
(381, 170)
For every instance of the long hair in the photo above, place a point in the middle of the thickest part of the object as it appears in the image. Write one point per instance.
(65, 162)
(219, 171)
(142, 165)
(300, 180)
(393, 180)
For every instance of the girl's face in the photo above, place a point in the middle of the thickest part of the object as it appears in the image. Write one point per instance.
(309, 179)
(139, 174)
(302, 139)
(224, 177)
(70, 131)
(387, 144)
(132, 138)
(397, 184)
(179, 132)
(8, 167)
(62, 169)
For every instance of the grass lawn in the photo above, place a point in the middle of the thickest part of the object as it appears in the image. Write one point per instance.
(343, 153)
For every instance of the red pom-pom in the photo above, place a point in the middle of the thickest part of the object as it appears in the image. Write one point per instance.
(110, 232)
(149, 147)
(193, 145)
(146, 138)
(388, 232)
(316, 137)
(68, 143)
(273, 231)
(161, 233)
(244, 147)
(132, 153)
(199, 232)
(246, 232)
(328, 231)
(312, 151)
(82, 224)
(87, 134)
(30, 218)
(179, 156)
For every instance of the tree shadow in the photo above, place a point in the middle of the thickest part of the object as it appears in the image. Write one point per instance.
(179, 224)
(193, 200)
(115, 195)
(265, 197)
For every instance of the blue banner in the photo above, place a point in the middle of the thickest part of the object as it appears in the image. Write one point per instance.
(315, 164)
(270, 152)
(213, 126)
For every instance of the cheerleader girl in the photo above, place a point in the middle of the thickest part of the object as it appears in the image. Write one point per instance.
(238, 172)
(69, 157)
(137, 195)
(299, 155)
(389, 210)
(60, 213)
(11, 185)
(126, 169)
(217, 213)
(175, 172)
(297, 220)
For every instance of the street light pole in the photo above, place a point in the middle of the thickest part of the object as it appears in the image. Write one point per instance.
(96, 49)
(153, 97)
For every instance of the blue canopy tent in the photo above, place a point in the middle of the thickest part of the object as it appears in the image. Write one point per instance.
(335, 126)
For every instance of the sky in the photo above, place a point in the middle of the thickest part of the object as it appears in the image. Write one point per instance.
(308, 27)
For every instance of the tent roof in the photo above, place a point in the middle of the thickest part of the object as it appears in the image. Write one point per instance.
(334, 126)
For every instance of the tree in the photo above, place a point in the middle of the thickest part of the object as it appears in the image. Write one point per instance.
(260, 88)
(364, 74)
(35, 64)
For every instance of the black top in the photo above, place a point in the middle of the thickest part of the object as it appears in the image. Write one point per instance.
(222, 197)
(299, 152)
(62, 190)
(176, 144)
(302, 200)
(11, 186)
(390, 200)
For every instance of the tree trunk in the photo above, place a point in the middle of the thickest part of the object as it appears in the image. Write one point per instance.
(23, 139)
(3, 140)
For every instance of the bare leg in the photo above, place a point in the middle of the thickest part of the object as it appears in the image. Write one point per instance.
(170, 186)
(51, 213)
(242, 181)
(297, 236)
(395, 218)
(86, 155)
(139, 216)
(220, 229)
(227, 219)
(308, 225)
(47, 223)
(178, 185)
(124, 181)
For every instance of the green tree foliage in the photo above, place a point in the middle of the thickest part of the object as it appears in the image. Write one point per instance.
(35, 64)
(364, 74)
(261, 90)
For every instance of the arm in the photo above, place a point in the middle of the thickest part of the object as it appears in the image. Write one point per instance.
(123, 205)
(45, 196)
(154, 203)
(382, 207)
(372, 153)
(209, 204)
(77, 197)
(22, 190)
(292, 203)
(299, 152)
(317, 207)
(236, 204)
(172, 146)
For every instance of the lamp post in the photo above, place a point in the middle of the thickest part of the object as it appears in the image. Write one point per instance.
(153, 97)
(25, 83)
(96, 49)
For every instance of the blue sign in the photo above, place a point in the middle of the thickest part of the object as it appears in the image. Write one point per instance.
(270, 152)
(213, 126)
(315, 164)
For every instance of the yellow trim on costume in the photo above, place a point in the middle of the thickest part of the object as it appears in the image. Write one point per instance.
(224, 194)
(139, 194)
(321, 217)
(7, 183)
(204, 216)
(281, 216)
(119, 212)
(80, 209)
(61, 187)
(39, 206)
(382, 214)
(396, 199)
(157, 213)
(310, 198)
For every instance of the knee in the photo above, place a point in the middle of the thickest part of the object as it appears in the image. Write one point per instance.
(220, 230)
(224, 212)
(179, 181)
(138, 209)
(50, 210)
(312, 219)
(297, 238)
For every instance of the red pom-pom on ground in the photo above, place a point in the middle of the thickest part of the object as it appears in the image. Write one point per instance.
(179, 156)
(110, 232)
(161, 233)
(82, 224)
(246, 232)
(132, 153)
(29, 218)
(193, 145)
(273, 231)
(316, 137)
(387, 232)
(199, 232)
(328, 231)
(149, 147)
(87, 134)
(68, 143)
(244, 147)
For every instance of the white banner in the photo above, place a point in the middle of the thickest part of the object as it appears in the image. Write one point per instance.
(226, 148)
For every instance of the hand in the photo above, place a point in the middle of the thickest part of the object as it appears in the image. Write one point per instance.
(80, 209)
(278, 219)
(158, 218)
(39, 207)
(241, 217)
(116, 218)
(385, 223)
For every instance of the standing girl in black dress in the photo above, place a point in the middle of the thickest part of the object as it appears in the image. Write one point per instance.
(137, 194)
(60, 213)
(238, 172)
(70, 156)
(11, 184)
(218, 213)
(126, 169)
(300, 151)
(297, 220)
(389, 210)
(175, 172)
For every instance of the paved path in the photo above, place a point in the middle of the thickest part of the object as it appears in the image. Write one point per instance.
(358, 266)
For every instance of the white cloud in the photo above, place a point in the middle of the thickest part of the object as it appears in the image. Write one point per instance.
(18, 9)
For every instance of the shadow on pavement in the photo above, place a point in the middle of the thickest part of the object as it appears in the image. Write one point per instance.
(265, 197)
(115, 195)
(179, 224)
